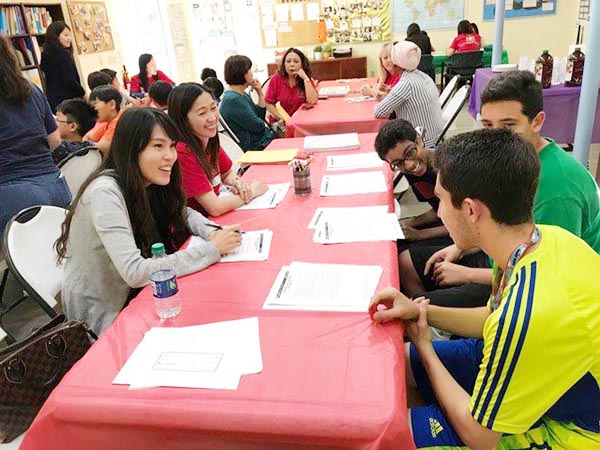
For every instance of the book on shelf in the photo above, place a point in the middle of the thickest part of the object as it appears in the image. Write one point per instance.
(33, 75)
(38, 19)
(11, 20)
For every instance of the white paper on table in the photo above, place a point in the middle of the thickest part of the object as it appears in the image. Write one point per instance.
(312, 11)
(270, 199)
(353, 183)
(334, 91)
(297, 11)
(212, 356)
(337, 230)
(256, 246)
(324, 287)
(348, 213)
(331, 142)
(359, 99)
(359, 161)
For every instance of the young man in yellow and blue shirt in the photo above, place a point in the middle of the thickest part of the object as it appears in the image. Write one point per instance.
(528, 377)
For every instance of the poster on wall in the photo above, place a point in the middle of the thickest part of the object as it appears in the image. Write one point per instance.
(429, 14)
(352, 21)
(90, 27)
(520, 8)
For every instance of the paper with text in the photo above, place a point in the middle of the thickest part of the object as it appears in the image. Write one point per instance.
(353, 183)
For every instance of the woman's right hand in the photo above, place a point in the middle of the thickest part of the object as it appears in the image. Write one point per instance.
(227, 239)
(257, 188)
(368, 91)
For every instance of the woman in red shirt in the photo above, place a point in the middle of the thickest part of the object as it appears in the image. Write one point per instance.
(141, 82)
(466, 41)
(204, 164)
(291, 85)
(387, 77)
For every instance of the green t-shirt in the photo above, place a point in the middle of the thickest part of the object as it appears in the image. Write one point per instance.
(567, 196)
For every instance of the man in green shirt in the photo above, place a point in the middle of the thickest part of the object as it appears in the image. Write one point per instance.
(567, 196)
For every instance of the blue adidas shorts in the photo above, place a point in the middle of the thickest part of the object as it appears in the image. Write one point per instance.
(462, 358)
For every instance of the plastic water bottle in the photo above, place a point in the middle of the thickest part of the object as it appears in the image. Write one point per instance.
(163, 280)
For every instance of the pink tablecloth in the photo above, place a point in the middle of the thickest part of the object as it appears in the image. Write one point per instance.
(330, 380)
(334, 115)
(561, 104)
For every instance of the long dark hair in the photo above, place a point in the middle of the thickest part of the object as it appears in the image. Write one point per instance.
(14, 88)
(305, 66)
(413, 29)
(145, 58)
(180, 102)
(157, 213)
(52, 37)
(464, 27)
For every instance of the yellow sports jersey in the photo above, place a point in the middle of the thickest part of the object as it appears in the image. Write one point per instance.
(541, 356)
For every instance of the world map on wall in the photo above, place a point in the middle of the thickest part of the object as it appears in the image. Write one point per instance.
(429, 14)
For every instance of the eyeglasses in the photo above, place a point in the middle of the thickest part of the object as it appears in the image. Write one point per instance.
(63, 121)
(400, 164)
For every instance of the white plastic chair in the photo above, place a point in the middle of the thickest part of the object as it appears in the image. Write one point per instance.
(226, 129)
(449, 90)
(452, 109)
(77, 167)
(29, 240)
(233, 150)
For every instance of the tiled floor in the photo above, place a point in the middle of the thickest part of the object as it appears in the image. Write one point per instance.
(463, 123)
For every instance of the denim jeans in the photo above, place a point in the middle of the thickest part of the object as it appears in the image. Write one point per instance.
(16, 195)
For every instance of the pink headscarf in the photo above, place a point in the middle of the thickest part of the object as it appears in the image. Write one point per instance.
(406, 54)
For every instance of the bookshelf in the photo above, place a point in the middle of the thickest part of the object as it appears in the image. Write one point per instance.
(25, 25)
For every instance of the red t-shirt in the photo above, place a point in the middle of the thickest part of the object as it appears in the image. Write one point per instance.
(195, 179)
(136, 84)
(392, 79)
(279, 90)
(466, 43)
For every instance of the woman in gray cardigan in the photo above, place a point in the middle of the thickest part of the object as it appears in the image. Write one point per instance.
(134, 200)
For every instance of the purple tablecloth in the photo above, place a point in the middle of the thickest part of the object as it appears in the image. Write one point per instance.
(560, 104)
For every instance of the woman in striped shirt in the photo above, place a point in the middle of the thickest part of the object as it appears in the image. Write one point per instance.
(415, 97)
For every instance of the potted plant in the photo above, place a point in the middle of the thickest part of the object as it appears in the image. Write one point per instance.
(318, 52)
(326, 51)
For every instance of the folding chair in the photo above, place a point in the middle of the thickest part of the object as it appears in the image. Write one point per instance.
(234, 151)
(78, 166)
(426, 66)
(452, 109)
(449, 90)
(29, 240)
(224, 128)
(464, 64)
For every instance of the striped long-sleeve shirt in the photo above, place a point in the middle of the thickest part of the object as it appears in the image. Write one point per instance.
(415, 98)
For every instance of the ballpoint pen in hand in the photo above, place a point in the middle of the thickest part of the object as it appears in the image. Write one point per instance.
(219, 227)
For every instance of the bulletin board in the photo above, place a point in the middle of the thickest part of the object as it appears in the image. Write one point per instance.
(355, 21)
(289, 23)
(520, 8)
(90, 27)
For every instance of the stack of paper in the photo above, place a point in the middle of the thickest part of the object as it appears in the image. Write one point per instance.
(348, 213)
(255, 246)
(334, 91)
(324, 287)
(353, 183)
(359, 99)
(331, 142)
(360, 161)
(365, 228)
(211, 356)
(270, 199)
(268, 156)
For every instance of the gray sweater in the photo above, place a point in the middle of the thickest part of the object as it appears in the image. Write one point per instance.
(103, 261)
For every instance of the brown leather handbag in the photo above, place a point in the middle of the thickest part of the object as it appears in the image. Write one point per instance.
(31, 368)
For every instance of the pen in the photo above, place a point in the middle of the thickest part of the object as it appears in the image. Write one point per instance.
(219, 227)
